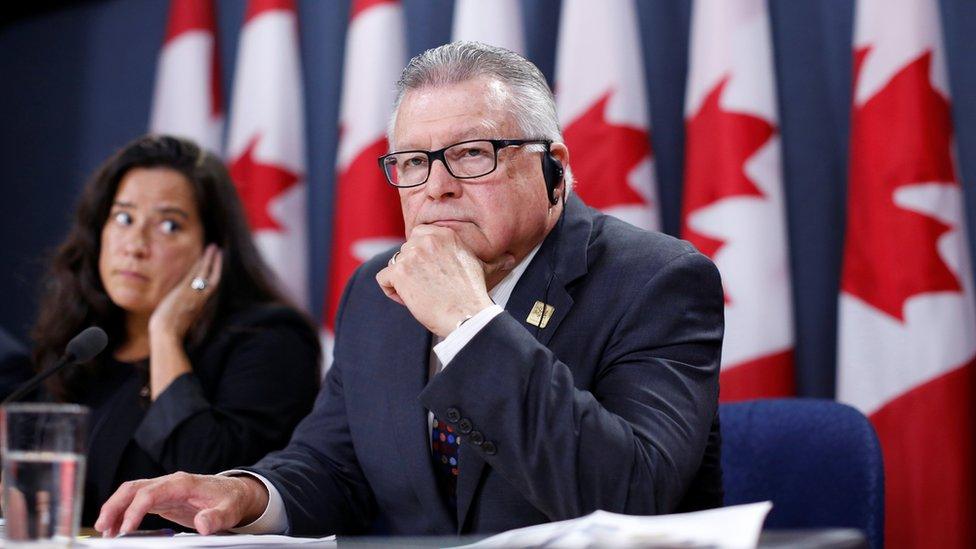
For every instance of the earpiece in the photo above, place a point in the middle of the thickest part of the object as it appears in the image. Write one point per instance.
(552, 174)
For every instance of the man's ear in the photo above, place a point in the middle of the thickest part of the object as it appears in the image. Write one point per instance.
(560, 152)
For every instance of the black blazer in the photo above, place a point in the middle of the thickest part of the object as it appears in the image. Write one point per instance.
(252, 382)
(610, 406)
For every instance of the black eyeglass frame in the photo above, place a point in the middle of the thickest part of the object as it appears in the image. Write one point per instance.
(497, 144)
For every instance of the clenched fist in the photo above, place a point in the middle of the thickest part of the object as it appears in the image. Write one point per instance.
(438, 278)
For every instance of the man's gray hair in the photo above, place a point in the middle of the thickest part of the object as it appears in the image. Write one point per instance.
(530, 101)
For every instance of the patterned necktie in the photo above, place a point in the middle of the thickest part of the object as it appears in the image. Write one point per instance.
(444, 442)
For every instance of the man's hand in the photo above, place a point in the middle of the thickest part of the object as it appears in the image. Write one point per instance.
(439, 279)
(207, 503)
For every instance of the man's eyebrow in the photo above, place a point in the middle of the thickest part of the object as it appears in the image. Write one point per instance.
(122, 204)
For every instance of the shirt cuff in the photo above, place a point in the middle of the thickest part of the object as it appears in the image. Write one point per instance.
(455, 341)
(273, 520)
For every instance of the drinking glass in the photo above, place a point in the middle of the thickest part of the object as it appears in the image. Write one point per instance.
(43, 451)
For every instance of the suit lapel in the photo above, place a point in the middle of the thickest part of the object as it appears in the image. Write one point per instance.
(413, 442)
(562, 257)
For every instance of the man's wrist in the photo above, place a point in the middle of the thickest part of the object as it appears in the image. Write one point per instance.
(459, 338)
(463, 315)
(255, 498)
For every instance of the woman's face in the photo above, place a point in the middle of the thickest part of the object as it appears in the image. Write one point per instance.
(151, 238)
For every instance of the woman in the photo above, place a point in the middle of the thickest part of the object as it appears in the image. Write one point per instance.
(207, 367)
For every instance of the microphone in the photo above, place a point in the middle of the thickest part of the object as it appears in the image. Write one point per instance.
(82, 348)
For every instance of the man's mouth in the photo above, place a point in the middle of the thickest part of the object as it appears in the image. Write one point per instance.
(449, 223)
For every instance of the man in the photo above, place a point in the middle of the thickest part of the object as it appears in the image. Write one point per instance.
(594, 387)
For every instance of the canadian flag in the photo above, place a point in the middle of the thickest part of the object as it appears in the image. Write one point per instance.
(367, 210)
(907, 317)
(187, 101)
(604, 111)
(498, 23)
(734, 208)
(266, 141)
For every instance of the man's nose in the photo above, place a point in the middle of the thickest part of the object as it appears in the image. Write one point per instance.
(441, 184)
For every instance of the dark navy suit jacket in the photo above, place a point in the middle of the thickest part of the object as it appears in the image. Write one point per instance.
(610, 406)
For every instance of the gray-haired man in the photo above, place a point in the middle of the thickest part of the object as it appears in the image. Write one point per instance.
(520, 359)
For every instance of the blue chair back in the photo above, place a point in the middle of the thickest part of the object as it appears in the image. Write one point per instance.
(818, 461)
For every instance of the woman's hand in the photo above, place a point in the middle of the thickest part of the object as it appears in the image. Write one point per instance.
(182, 305)
(173, 317)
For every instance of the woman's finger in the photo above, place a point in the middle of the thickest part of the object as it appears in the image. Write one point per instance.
(201, 269)
(217, 267)
(195, 272)
(201, 276)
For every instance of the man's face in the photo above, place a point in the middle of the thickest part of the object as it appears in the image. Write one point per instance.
(506, 211)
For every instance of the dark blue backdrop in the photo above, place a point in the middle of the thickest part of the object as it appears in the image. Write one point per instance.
(77, 83)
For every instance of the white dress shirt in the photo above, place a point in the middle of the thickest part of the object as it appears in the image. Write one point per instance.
(274, 520)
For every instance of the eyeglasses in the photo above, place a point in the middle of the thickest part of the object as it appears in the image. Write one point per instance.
(464, 160)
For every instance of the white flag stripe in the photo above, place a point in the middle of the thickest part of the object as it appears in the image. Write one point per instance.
(183, 96)
(267, 99)
(362, 224)
(731, 42)
(267, 112)
(732, 39)
(897, 31)
(880, 358)
(498, 23)
(369, 78)
(600, 51)
(599, 57)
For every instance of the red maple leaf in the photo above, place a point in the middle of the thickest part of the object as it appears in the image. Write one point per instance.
(258, 185)
(603, 155)
(719, 143)
(900, 136)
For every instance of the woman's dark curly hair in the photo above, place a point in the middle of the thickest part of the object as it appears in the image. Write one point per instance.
(73, 295)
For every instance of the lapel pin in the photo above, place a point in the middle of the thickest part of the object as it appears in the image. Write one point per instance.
(540, 314)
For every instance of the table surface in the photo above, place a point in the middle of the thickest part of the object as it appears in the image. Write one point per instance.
(833, 538)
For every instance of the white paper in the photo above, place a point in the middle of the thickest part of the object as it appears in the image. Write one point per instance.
(733, 527)
(195, 540)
